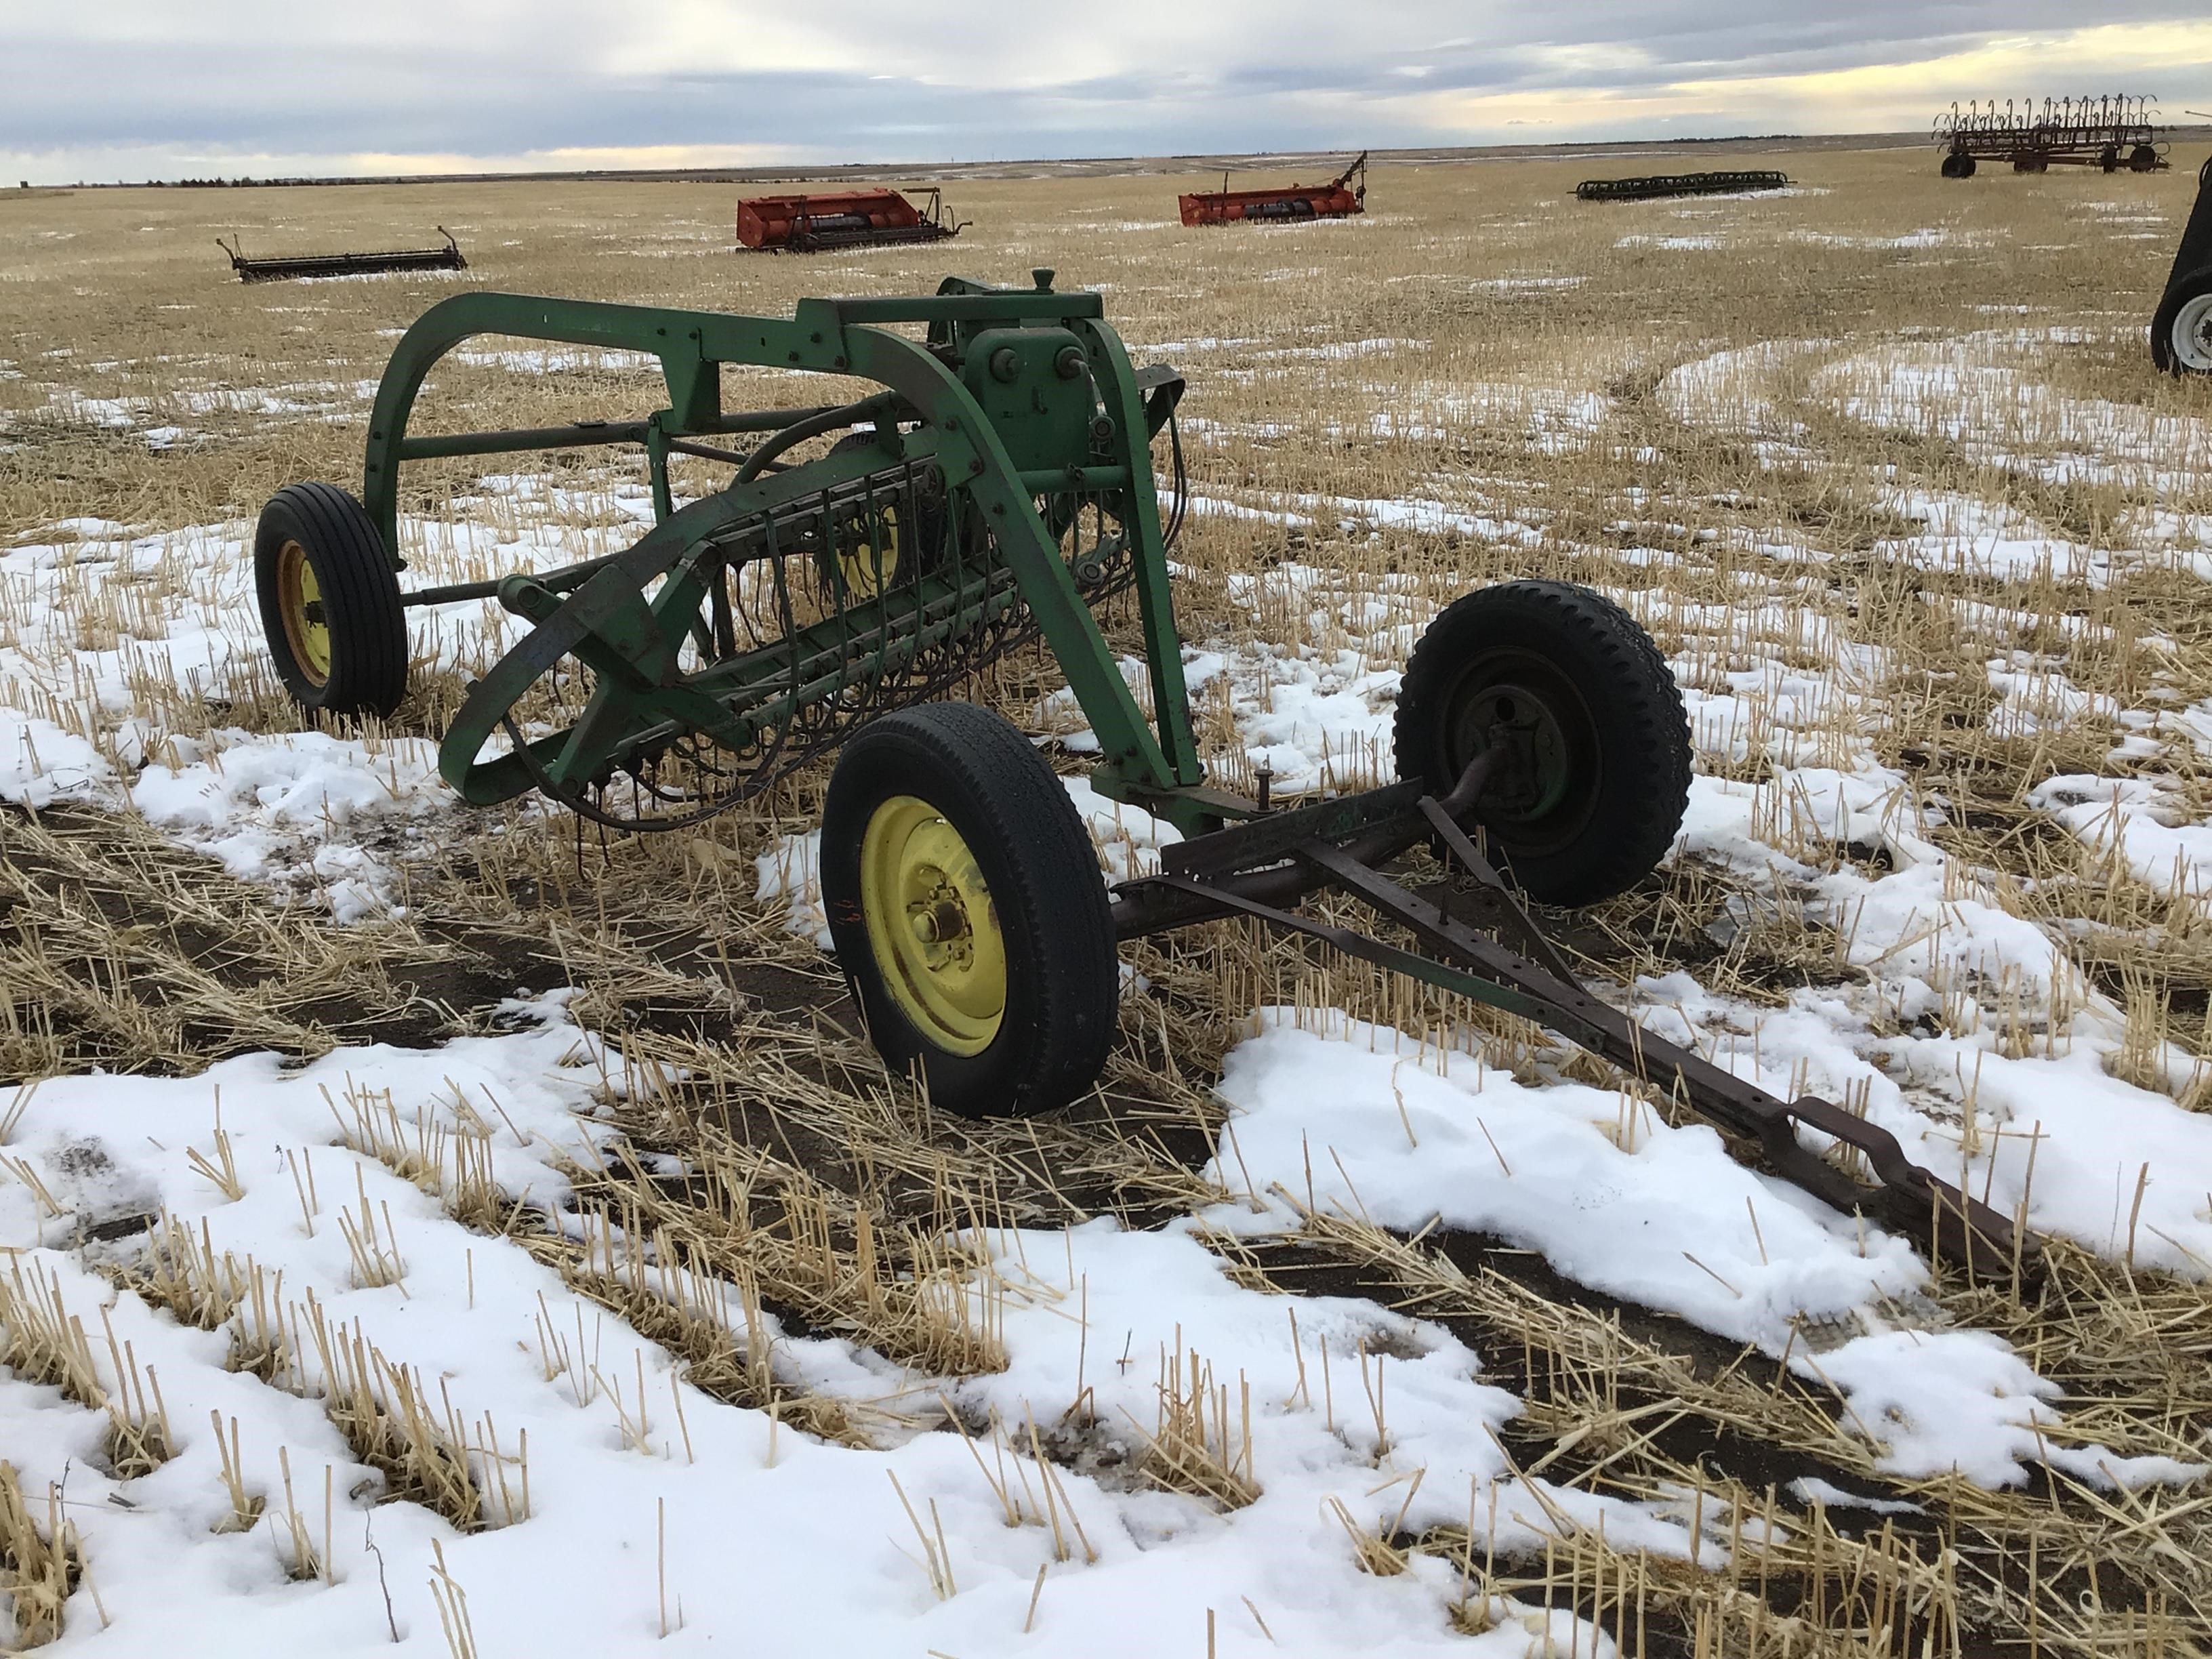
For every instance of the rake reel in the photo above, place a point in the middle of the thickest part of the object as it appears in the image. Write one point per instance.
(994, 488)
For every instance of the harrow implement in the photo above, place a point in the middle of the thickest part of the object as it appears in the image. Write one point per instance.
(292, 267)
(1677, 184)
(869, 554)
(2110, 133)
(1282, 204)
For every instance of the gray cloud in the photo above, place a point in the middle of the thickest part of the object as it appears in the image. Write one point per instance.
(248, 85)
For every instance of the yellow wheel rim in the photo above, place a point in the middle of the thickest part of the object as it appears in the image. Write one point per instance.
(862, 570)
(297, 589)
(932, 927)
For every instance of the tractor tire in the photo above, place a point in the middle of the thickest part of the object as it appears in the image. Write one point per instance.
(329, 602)
(1951, 168)
(965, 901)
(852, 568)
(2181, 327)
(2143, 158)
(1598, 774)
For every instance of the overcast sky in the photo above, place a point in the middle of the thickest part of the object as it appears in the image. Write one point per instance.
(103, 89)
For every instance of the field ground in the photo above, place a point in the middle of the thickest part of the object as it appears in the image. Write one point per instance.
(435, 1227)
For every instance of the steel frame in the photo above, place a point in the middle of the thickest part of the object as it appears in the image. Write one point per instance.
(599, 610)
(1677, 184)
(2111, 132)
(292, 267)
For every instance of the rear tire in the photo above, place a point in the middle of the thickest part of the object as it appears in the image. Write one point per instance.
(329, 602)
(2181, 327)
(1598, 775)
(969, 913)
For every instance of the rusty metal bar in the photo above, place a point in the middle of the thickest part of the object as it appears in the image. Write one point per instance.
(1257, 870)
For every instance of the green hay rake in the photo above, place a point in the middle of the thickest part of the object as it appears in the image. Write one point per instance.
(869, 555)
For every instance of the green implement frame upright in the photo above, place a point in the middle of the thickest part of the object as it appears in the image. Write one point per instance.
(1022, 401)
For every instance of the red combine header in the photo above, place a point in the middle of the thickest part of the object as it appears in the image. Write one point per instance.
(858, 218)
(1293, 204)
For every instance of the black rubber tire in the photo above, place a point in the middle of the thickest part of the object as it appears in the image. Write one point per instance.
(360, 597)
(1951, 169)
(1611, 699)
(1966, 166)
(1063, 976)
(2191, 285)
(2143, 158)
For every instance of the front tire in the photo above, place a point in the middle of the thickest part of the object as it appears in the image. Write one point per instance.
(1597, 772)
(329, 602)
(965, 901)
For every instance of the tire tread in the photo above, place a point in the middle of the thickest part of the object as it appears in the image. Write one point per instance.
(1064, 972)
(1641, 722)
(361, 597)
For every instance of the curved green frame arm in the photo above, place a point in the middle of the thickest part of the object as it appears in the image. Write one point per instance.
(837, 337)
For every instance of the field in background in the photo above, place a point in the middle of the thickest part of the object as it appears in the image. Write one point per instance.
(1880, 462)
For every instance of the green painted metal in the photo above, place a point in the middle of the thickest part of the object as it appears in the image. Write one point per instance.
(1022, 401)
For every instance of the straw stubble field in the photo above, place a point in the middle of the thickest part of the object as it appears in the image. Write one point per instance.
(1879, 462)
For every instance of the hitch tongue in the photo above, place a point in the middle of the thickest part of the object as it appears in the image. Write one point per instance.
(1258, 868)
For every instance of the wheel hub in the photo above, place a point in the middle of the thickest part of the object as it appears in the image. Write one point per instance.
(300, 599)
(932, 927)
(868, 558)
(940, 919)
(2191, 334)
(1539, 759)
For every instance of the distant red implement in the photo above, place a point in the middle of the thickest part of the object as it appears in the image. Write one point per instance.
(859, 218)
(1286, 204)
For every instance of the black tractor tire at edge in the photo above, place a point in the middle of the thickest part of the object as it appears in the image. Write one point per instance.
(1063, 975)
(2190, 286)
(1612, 699)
